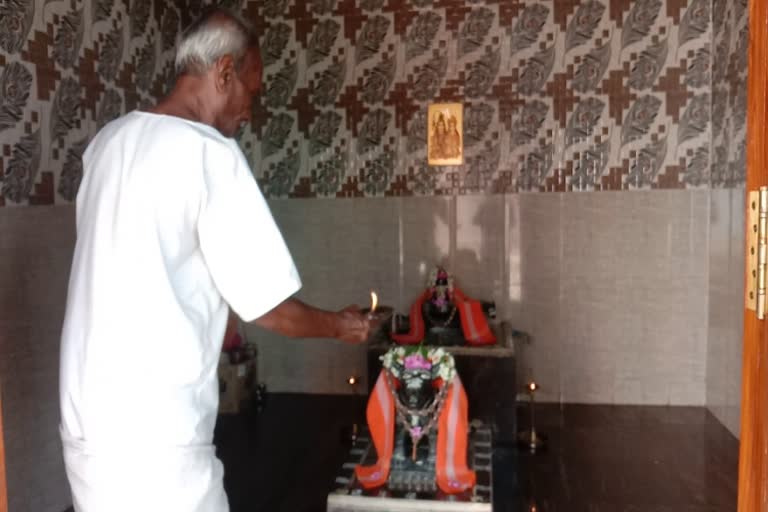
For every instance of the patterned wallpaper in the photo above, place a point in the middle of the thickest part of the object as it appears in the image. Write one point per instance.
(559, 95)
(67, 67)
(729, 93)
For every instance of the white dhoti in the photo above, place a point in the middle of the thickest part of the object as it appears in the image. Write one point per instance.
(147, 478)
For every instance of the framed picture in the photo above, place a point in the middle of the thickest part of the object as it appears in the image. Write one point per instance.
(445, 134)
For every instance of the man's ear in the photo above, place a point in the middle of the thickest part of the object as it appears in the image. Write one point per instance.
(225, 72)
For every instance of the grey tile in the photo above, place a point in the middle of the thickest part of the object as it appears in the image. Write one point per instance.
(592, 234)
(427, 226)
(535, 247)
(725, 313)
(35, 255)
(343, 249)
(479, 254)
(540, 358)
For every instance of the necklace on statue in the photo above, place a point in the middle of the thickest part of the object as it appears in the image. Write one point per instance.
(432, 412)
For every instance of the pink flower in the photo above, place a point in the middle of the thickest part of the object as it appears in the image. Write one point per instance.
(416, 431)
(417, 362)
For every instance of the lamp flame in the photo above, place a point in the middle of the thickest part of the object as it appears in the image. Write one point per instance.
(374, 301)
(533, 386)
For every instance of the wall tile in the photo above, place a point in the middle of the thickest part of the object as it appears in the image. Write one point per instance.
(726, 292)
(535, 247)
(533, 298)
(479, 255)
(599, 281)
(427, 225)
(36, 252)
(343, 250)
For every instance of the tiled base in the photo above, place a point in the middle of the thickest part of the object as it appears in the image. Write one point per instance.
(371, 504)
(349, 496)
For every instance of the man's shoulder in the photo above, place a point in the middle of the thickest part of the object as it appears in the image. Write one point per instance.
(148, 123)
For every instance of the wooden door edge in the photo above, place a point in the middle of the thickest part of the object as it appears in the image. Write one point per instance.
(753, 461)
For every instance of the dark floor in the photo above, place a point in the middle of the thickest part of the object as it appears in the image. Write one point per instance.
(629, 459)
(599, 458)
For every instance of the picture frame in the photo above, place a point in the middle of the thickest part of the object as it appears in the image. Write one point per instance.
(445, 134)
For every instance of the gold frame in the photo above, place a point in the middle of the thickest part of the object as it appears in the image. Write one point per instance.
(450, 151)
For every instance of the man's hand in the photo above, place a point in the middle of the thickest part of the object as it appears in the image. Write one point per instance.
(351, 325)
(299, 320)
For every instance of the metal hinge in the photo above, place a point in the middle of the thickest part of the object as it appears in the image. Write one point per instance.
(757, 251)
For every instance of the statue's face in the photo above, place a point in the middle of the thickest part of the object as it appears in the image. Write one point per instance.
(417, 391)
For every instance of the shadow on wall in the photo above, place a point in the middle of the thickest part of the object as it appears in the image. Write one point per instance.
(609, 285)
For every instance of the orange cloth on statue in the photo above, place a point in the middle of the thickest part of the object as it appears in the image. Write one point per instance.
(473, 322)
(381, 423)
(452, 474)
(415, 334)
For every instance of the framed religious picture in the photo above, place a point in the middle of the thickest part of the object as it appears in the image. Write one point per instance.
(445, 134)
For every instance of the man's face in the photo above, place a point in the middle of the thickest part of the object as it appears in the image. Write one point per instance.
(239, 91)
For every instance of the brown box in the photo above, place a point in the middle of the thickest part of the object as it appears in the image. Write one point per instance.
(236, 385)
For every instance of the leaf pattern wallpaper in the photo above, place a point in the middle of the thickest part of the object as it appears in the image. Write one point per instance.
(558, 95)
(68, 67)
(728, 76)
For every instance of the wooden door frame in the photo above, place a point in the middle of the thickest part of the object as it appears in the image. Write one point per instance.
(753, 456)
(3, 488)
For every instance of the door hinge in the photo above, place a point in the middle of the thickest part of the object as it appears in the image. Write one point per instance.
(757, 251)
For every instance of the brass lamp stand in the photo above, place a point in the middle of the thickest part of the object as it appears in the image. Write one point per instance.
(354, 432)
(530, 439)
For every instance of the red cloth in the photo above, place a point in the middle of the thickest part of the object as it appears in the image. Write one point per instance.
(452, 473)
(473, 322)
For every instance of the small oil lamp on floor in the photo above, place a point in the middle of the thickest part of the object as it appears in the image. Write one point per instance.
(530, 439)
(355, 429)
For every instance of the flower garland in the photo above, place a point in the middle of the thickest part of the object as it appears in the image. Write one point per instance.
(398, 362)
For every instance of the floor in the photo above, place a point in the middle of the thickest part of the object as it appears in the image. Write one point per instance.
(628, 459)
(598, 458)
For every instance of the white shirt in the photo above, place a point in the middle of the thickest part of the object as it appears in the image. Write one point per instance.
(171, 227)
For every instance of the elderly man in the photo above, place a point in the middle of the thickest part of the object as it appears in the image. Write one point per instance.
(172, 230)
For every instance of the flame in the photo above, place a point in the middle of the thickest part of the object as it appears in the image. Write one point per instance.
(374, 301)
(533, 386)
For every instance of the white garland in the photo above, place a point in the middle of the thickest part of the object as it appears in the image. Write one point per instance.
(394, 361)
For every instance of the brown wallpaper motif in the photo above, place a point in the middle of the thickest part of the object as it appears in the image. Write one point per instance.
(561, 95)
(729, 96)
(67, 67)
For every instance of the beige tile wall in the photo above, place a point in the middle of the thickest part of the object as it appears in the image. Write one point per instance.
(35, 253)
(726, 289)
(611, 287)
(616, 299)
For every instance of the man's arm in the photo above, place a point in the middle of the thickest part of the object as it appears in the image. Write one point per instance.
(296, 319)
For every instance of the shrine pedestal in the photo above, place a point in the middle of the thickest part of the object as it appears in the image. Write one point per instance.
(488, 374)
(349, 496)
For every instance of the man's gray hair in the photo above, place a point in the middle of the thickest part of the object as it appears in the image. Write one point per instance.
(214, 35)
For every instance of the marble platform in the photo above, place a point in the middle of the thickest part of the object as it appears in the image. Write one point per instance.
(349, 496)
